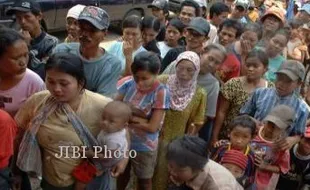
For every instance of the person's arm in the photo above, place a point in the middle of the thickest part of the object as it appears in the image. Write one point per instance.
(128, 51)
(261, 165)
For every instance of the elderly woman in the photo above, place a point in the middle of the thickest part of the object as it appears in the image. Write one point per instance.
(72, 24)
(187, 104)
(17, 83)
(65, 115)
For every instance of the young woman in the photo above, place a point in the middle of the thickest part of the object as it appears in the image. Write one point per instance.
(187, 103)
(252, 33)
(149, 100)
(65, 115)
(131, 43)
(150, 29)
(236, 92)
(274, 51)
(17, 83)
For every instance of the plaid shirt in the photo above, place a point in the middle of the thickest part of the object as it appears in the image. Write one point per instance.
(264, 99)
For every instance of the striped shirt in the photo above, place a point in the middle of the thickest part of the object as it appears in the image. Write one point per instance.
(158, 98)
(264, 99)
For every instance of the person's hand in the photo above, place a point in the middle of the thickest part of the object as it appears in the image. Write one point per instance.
(119, 168)
(259, 162)
(26, 36)
(213, 141)
(286, 143)
(245, 46)
(127, 48)
(192, 129)
(17, 182)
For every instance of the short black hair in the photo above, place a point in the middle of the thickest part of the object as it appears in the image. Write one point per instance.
(67, 63)
(151, 22)
(188, 151)
(191, 3)
(146, 61)
(261, 55)
(218, 8)
(244, 121)
(254, 27)
(232, 23)
(284, 32)
(132, 21)
(7, 38)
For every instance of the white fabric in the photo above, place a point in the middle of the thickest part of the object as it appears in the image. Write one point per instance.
(75, 11)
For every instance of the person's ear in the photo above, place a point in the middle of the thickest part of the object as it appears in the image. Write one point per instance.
(39, 16)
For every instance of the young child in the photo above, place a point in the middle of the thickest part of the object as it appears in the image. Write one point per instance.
(295, 45)
(298, 176)
(242, 131)
(269, 159)
(112, 137)
(236, 162)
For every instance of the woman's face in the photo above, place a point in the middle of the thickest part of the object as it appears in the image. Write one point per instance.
(277, 44)
(172, 36)
(185, 70)
(180, 174)
(62, 86)
(271, 23)
(132, 35)
(148, 35)
(255, 69)
(14, 61)
(73, 27)
(144, 80)
(249, 37)
(210, 61)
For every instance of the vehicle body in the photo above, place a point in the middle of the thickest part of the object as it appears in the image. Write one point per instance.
(55, 11)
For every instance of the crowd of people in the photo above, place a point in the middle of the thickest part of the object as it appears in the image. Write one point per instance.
(216, 97)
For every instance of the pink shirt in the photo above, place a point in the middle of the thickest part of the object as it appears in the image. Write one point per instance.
(11, 100)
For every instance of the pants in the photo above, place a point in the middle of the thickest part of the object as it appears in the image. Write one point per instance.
(206, 131)
(5, 176)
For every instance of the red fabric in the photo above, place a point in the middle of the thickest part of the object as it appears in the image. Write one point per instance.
(235, 157)
(8, 129)
(307, 133)
(84, 172)
(230, 68)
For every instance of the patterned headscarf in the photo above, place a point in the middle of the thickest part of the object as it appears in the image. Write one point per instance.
(181, 93)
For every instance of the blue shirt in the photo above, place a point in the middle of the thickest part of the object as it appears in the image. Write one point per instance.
(117, 50)
(101, 74)
(264, 99)
(273, 66)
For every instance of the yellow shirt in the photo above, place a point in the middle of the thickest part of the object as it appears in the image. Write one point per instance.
(57, 131)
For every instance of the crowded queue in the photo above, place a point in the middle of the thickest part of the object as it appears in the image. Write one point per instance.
(214, 97)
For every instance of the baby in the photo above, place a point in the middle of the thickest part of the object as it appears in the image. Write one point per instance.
(112, 137)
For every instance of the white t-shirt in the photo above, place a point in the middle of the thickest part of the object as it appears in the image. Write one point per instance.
(113, 141)
(164, 48)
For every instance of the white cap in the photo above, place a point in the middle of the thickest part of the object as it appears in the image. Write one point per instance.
(75, 11)
(202, 3)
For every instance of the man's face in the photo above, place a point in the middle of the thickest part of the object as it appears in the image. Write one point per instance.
(194, 39)
(90, 36)
(284, 85)
(218, 19)
(28, 21)
(186, 14)
(158, 13)
(227, 36)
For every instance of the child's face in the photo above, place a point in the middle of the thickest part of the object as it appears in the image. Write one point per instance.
(277, 44)
(144, 80)
(304, 147)
(148, 35)
(273, 131)
(234, 169)
(240, 137)
(172, 36)
(180, 174)
(112, 121)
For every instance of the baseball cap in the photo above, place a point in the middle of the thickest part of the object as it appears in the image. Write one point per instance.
(242, 3)
(293, 69)
(178, 24)
(24, 6)
(275, 11)
(305, 8)
(200, 25)
(201, 3)
(98, 17)
(161, 4)
(75, 11)
(235, 157)
(282, 116)
(307, 133)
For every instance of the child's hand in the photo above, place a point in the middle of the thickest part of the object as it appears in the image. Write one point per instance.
(174, 181)
(259, 162)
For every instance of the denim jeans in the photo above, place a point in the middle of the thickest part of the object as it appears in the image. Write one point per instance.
(206, 131)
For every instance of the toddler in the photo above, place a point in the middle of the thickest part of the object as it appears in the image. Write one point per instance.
(112, 137)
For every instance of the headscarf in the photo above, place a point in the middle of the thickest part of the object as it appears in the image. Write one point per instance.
(181, 93)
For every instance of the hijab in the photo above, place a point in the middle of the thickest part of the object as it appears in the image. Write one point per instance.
(182, 93)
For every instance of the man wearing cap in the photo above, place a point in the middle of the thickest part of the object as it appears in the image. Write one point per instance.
(102, 69)
(189, 9)
(160, 10)
(288, 81)
(196, 34)
(72, 23)
(28, 15)
(303, 14)
(239, 10)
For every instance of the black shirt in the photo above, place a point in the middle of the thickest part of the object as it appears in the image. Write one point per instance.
(171, 56)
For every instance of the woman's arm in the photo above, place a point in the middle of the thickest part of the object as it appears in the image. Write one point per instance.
(153, 124)
(220, 117)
